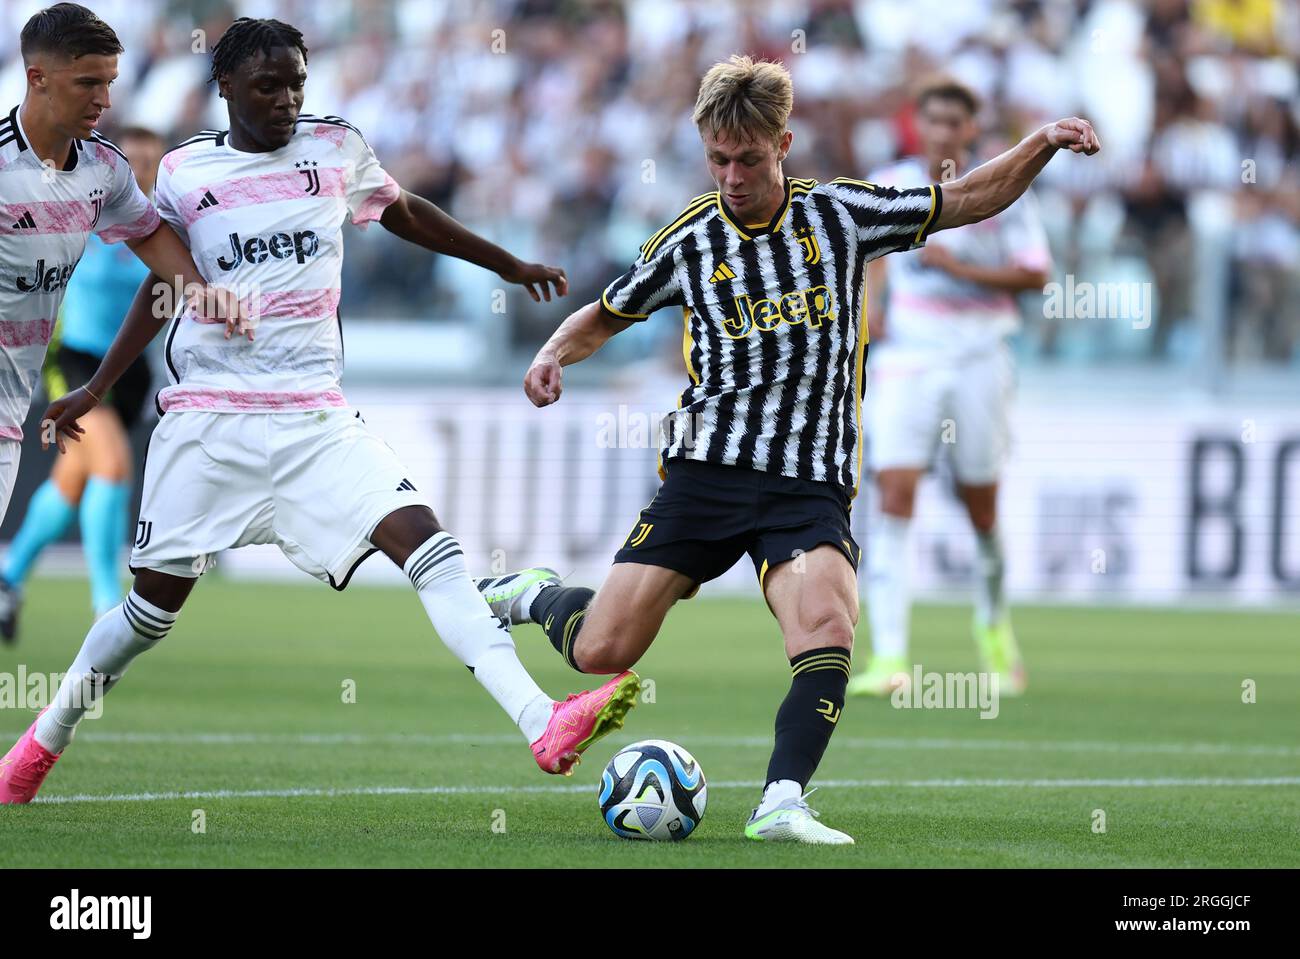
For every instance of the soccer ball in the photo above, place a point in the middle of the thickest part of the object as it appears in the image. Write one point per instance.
(652, 790)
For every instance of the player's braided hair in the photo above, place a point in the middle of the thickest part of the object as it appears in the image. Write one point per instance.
(247, 36)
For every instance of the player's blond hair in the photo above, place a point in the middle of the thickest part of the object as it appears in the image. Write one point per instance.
(746, 97)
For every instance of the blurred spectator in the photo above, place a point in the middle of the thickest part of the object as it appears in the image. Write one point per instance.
(562, 127)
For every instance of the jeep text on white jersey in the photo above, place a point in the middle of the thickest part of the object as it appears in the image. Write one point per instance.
(269, 225)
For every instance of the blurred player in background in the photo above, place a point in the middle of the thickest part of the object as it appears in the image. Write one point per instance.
(258, 444)
(941, 374)
(763, 455)
(92, 477)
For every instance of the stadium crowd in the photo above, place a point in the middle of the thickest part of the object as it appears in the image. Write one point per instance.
(562, 127)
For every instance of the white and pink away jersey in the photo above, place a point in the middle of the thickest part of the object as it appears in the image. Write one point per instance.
(269, 225)
(929, 309)
(45, 217)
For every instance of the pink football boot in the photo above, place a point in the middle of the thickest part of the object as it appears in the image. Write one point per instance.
(583, 718)
(24, 768)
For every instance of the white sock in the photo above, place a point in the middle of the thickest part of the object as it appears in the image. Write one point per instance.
(889, 599)
(776, 793)
(467, 627)
(118, 637)
(990, 604)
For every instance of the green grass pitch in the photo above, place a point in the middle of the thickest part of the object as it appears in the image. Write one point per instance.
(240, 713)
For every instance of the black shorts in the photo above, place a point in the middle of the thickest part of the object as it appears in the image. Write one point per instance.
(706, 516)
(128, 395)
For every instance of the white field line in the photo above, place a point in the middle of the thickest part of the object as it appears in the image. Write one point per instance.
(972, 744)
(754, 784)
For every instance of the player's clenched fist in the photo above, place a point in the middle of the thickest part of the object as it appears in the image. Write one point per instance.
(1073, 134)
(543, 382)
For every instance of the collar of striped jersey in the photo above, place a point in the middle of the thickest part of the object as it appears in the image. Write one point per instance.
(747, 231)
(16, 128)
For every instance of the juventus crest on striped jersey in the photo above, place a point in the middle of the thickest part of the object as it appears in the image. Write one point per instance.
(774, 322)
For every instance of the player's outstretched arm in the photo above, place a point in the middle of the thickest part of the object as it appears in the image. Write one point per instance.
(418, 221)
(142, 323)
(579, 336)
(165, 255)
(993, 186)
(1008, 277)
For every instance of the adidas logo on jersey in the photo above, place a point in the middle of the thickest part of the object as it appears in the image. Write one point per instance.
(407, 486)
(255, 249)
(723, 272)
(208, 200)
(24, 222)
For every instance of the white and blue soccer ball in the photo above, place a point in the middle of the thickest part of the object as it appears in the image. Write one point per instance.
(653, 790)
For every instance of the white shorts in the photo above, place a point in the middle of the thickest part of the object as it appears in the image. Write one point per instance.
(918, 404)
(315, 484)
(10, 454)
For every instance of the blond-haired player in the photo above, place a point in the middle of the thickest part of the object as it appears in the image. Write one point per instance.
(763, 455)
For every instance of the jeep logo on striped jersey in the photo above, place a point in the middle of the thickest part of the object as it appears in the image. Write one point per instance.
(813, 306)
(256, 249)
(46, 279)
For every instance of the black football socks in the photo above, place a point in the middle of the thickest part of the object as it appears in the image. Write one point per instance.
(808, 715)
(559, 610)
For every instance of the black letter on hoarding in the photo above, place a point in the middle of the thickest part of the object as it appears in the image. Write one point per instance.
(1225, 504)
(1281, 462)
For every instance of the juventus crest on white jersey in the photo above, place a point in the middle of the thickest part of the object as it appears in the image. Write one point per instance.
(45, 216)
(269, 225)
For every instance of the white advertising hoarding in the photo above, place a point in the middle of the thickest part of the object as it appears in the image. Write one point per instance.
(1115, 502)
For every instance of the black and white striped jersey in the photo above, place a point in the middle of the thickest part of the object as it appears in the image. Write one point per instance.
(774, 316)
